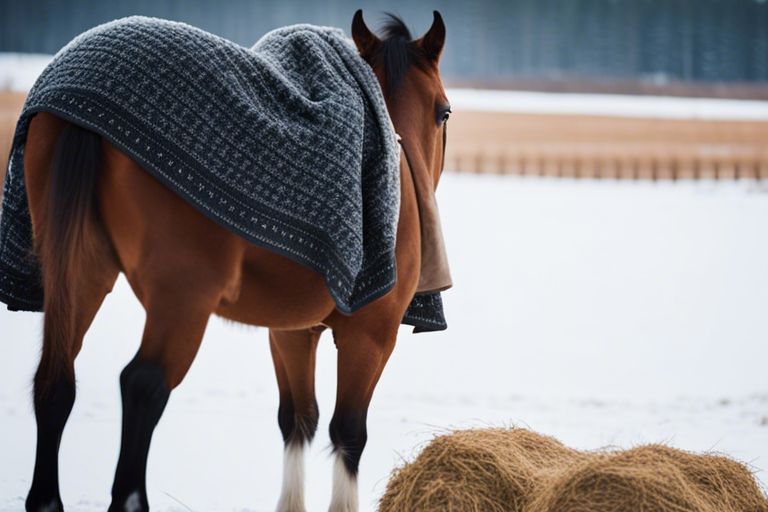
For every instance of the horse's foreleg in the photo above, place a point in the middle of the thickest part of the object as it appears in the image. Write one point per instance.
(361, 359)
(293, 353)
(172, 336)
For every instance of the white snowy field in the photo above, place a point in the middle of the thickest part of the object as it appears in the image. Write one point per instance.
(603, 313)
(18, 71)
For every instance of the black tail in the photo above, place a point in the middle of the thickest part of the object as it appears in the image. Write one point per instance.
(64, 244)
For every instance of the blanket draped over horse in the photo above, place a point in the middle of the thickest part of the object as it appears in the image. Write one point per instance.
(288, 144)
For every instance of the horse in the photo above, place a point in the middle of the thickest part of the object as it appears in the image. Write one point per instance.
(111, 216)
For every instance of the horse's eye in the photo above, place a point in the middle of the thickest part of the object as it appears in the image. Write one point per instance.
(442, 113)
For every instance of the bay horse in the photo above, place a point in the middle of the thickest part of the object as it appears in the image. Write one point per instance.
(96, 213)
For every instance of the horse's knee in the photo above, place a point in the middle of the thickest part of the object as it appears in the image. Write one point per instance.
(297, 425)
(293, 353)
(349, 434)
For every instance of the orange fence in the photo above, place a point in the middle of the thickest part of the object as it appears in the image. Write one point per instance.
(581, 146)
(10, 106)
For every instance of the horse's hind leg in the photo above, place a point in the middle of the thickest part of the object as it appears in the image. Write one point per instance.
(79, 269)
(293, 353)
(53, 399)
(181, 266)
(174, 328)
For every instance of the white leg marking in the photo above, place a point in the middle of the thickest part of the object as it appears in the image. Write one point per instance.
(292, 495)
(344, 496)
(132, 504)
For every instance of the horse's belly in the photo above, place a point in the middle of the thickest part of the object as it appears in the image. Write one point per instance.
(278, 293)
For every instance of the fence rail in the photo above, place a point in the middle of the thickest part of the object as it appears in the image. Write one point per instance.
(544, 163)
(575, 146)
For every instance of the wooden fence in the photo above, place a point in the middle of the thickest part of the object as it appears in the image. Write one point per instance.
(577, 146)
(10, 106)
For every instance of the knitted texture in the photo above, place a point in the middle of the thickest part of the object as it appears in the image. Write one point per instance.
(287, 144)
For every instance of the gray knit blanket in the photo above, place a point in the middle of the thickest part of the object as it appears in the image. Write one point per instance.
(287, 144)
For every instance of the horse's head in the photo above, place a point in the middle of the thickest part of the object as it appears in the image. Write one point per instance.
(408, 72)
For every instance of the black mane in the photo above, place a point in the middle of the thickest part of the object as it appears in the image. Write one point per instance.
(396, 53)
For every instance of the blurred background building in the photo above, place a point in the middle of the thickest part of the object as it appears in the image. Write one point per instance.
(560, 44)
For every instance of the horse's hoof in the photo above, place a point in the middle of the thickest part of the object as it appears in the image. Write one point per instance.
(34, 504)
(135, 502)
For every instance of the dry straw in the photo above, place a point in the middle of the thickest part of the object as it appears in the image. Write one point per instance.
(516, 470)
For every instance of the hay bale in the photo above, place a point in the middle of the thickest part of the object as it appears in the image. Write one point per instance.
(493, 470)
(516, 470)
(652, 477)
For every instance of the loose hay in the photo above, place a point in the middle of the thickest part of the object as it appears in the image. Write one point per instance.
(516, 470)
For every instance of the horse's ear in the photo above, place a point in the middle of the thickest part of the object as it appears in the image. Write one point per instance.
(432, 42)
(366, 41)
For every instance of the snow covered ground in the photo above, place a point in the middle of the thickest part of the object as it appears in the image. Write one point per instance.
(611, 105)
(18, 71)
(603, 313)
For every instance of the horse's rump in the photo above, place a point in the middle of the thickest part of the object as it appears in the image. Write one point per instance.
(288, 144)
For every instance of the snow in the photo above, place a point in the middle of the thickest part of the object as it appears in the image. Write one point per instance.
(604, 313)
(612, 105)
(18, 72)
